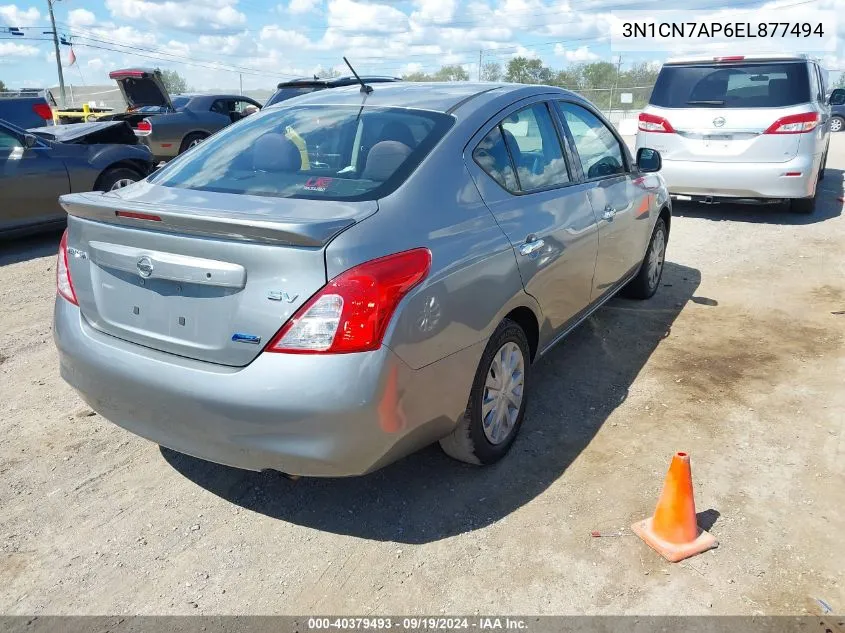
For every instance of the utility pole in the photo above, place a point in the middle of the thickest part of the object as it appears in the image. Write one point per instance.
(241, 77)
(479, 64)
(615, 84)
(56, 47)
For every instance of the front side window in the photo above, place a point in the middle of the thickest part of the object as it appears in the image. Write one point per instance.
(317, 152)
(8, 141)
(597, 147)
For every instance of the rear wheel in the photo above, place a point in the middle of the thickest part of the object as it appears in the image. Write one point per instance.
(497, 400)
(805, 206)
(836, 123)
(117, 178)
(645, 284)
(192, 140)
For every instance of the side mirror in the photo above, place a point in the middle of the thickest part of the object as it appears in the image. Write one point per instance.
(648, 160)
(29, 141)
(837, 97)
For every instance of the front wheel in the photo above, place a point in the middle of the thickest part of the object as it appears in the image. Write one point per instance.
(645, 284)
(497, 400)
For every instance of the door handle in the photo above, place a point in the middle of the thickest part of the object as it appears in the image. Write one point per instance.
(531, 246)
(609, 213)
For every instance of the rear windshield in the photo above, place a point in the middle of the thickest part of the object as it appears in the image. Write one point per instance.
(316, 152)
(283, 94)
(179, 102)
(769, 85)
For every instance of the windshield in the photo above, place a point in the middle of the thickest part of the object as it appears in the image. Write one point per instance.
(317, 152)
(283, 94)
(764, 85)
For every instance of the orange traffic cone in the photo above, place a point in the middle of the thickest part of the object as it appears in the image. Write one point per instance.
(672, 532)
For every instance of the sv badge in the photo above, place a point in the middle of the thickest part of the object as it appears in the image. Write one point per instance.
(278, 295)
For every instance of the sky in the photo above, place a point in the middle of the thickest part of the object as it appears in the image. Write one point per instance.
(215, 44)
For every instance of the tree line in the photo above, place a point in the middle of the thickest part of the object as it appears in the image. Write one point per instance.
(596, 79)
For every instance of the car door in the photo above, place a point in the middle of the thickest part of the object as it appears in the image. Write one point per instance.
(621, 207)
(31, 181)
(523, 173)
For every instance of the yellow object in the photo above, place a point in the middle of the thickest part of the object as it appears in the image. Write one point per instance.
(292, 135)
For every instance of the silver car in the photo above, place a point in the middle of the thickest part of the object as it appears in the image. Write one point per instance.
(349, 276)
(740, 127)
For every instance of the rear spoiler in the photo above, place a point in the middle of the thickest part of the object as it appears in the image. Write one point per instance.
(101, 207)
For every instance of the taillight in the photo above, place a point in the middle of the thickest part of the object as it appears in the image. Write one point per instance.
(43, 110)
(64, 285)
(352, 311)
(794, 124)
(653, 123)
(144, 127)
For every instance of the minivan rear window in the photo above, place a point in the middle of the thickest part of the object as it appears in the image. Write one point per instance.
(283, 94)
(316, 152)
(761, 85)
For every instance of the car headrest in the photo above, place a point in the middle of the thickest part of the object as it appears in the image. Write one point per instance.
(397, 131)
(779, 89)
(275, 152)
(384, 158)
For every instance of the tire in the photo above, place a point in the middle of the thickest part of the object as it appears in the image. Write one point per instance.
(192, 139)
(803, 206)
(836, 123)
(117, 178)
(647, 281)
(470, 442)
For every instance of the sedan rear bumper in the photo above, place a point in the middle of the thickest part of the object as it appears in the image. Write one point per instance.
(337, 415)
(742, 180)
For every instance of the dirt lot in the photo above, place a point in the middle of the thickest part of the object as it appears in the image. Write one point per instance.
(738, 360)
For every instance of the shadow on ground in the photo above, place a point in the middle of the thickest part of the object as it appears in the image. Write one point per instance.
(427, 496)
(828, 206)
(21, 249)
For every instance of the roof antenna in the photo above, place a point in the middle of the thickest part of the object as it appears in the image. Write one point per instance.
(364, 87)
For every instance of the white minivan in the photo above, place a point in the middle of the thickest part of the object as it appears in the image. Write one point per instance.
(740, 128)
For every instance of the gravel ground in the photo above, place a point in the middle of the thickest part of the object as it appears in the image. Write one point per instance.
(739, 360)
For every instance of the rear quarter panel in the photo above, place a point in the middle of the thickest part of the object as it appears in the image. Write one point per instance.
(85, 163)
(474, 278)
(169, 130)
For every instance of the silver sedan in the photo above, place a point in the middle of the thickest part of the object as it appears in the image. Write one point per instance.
(353, 274)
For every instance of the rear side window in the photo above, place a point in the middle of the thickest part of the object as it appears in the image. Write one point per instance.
(528, 141)
(317, 152)
(491, 155)
(764, 85)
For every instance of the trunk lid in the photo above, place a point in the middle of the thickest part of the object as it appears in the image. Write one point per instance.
(725, 135)
(209, 276)
(142, 87)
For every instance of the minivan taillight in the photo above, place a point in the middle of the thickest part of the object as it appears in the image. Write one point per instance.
(794, 124)
(352, 311)
(144, 127)
(43, 110)
(64, 285)
(653, 123)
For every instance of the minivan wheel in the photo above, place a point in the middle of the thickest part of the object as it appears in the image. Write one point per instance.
(802, 205)
(645, 284)
(497, 400)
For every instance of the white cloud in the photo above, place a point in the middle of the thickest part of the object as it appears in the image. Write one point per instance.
(302, 6)
(12, 49)
(580, 54)
(11, 15)
(364, 17)
(275, 35)
(81, 17)
(95, 64)
(434, 11)
(194, 16)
